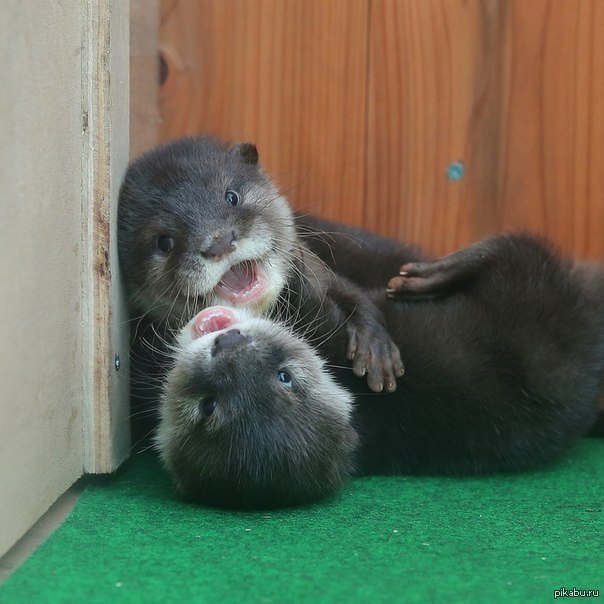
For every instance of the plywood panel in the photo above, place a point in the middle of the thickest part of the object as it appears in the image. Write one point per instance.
(63, 150)
(40, 267)
(289, 75)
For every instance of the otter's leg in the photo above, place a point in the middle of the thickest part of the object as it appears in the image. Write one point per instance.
(443, 276)
(369, 345)
(342, 321)
(366, 259)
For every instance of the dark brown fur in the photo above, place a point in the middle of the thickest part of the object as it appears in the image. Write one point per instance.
(504, 347)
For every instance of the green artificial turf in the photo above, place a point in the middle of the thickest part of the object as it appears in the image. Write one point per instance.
(382, 539)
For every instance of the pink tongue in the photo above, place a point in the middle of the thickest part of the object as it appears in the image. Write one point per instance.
(243, 283)
(213, 319)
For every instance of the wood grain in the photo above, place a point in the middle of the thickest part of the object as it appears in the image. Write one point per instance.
(511, 89)
(104, 157)
(288, 75)
(41, 415)
(433, 97)
(144, 76)
(554, 159)
(360, 107)
(63, 145)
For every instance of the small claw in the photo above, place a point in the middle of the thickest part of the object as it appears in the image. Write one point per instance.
(376, 386)
(359, 371)
(395, 283)
(353, 344)
(398, 367)
(411, 269)
(390, 386)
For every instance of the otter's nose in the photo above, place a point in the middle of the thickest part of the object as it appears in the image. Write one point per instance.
(221, 246)
(227, 340)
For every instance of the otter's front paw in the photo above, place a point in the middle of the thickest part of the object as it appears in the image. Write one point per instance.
(375, 355)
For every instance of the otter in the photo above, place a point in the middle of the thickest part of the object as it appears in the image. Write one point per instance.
(200, 223)
(504, 352)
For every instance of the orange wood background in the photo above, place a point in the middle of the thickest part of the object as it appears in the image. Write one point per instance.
(358, 107)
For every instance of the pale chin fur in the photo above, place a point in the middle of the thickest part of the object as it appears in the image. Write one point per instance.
(259, 244)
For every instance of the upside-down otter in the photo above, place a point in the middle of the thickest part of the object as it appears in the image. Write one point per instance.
(504, 352)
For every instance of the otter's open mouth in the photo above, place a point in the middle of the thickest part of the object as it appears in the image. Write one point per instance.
(212, 319)
(243, 283)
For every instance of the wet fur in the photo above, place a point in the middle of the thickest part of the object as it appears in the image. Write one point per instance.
(504, 351)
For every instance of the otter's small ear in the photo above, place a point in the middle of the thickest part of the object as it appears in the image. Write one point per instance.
(248, 152)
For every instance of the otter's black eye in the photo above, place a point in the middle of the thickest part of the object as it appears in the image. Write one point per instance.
(165, 243)
(285, 378)
(232, 197)
(207, 407)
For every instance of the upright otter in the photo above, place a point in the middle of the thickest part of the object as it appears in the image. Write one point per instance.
(199, 224)
(504, 363)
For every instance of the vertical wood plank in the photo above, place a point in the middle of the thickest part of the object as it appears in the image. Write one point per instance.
(41, 416)
(105, 104)
(289, 75)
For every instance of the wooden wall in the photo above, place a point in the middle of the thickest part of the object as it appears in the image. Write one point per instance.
(360, 107)
(144, 75)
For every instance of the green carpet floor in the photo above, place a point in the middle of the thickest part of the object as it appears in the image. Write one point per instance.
(498, 539)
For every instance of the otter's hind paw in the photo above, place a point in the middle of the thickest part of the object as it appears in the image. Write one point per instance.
(442, 276)
(419, 280)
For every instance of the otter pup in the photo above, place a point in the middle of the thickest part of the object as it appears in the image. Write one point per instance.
(504, 349)
(200, 224)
